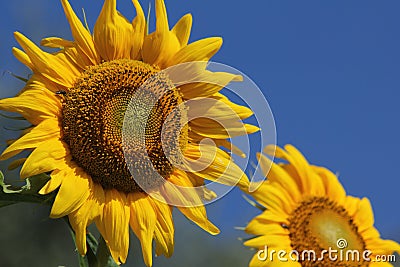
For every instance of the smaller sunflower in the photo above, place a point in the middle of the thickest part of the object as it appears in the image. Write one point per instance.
(306, 211)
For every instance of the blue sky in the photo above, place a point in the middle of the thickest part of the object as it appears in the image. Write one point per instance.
(329, 70)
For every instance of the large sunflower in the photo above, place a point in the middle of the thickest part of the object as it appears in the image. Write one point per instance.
(76, 100)
(305, 208)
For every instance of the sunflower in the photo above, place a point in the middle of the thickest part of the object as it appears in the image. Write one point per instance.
(76, 100)
(306, 210)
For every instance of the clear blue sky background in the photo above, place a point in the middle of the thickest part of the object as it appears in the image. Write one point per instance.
(329, 69)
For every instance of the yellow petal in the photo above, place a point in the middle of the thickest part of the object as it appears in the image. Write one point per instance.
(143, 222)
(197, 181)
(89, 211)
(56, 178)
(161, 45)
(164, 231)
(370, 234)
(196, 138)
(199, 217)
(312, 183)
(274, 197)
(352, 205)
(228, 145)
(46, 130)
(56, 42)
(211, 108)
(276, 174)
(113, 33)
(272, 258)
(196, 214)
(256, 262)
(139, 31)
(364, 218)
(34, 105)
(278, 241)
(265, 218)
(23, 58)
(46, 157)
(269, 229)
(179, 191)
(161, 17)
(333, 187)
(380, 264)
(54, 67)
(212, 163)
(72, 55)
(215, 119)
(299, 169)
(73, 192)
(182, 29)
(242, 111)
(383, 247)
(40, 83)
(206, 84)
(82, 36)
(116, 224)
(201, 50)
(211, 128)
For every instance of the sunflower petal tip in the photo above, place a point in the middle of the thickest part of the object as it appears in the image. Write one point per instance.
(215, 231)
(18, 36)
(42, 191)
(238, 78)
(219, 41)
(65, 4)
(252, 128)
(270, 149)
(289, 147)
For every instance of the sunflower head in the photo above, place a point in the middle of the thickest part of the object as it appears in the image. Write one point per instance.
(93, 119)
(108, 119)
(307, 214)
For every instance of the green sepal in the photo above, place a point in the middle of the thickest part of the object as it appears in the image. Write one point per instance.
(27, 193)
(25, 80)
(19, 118)
(253, 203)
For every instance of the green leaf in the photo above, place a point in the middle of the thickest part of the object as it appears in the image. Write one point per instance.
(92, 246)
(92, 242)
(27, 193)
(103, 255)
(83, 262)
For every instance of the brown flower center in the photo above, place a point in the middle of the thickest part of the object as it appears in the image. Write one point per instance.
(324, 234)
(94, 115)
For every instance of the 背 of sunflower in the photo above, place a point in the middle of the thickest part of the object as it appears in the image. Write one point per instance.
(75, 101)
(305, 211)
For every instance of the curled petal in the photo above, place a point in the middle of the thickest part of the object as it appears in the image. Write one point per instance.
(113, 33)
